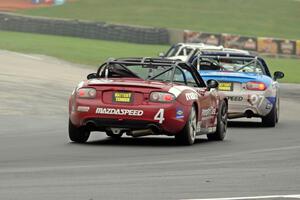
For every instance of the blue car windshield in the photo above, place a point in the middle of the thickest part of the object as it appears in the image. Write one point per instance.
(231, 65)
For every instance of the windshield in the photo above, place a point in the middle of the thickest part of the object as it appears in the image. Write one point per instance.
(231, 65)
(173, 51)
(179, 51)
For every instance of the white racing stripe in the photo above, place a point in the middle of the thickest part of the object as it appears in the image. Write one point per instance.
(176, 90)
(295, 196)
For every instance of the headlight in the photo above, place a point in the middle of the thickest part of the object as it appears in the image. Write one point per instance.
(162, 97)
(88, 93)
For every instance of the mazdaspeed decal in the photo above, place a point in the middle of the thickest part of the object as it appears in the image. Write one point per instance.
(115, 111)
(235, 98)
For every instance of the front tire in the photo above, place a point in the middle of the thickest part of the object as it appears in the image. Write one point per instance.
(188, 134)
(221, 123)
(78, 135)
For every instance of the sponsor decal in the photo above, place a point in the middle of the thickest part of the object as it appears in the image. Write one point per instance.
(225, 86)
(235, 98)
(179, 113)
(191, 96)
(114, 111)
(123, 97)
(208, 112)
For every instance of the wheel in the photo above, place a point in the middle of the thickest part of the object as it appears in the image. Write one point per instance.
(271, 119)
(188, 134)
(278, 109)
(221, 123)
(79, 135)
(109, 133)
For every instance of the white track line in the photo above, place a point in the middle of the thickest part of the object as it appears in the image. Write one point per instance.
(296, 196)
(27, 56)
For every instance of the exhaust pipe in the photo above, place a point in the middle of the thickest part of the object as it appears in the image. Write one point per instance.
(139, 133)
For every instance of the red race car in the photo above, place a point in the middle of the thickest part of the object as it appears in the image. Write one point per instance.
(147, 96)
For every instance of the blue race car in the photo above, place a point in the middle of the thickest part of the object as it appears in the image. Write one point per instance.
(246, 81)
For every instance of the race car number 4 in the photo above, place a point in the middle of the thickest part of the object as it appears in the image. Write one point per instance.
(160, 116)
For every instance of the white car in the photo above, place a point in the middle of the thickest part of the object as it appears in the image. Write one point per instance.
(185, 51)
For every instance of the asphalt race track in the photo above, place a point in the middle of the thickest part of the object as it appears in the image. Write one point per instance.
(37, 161)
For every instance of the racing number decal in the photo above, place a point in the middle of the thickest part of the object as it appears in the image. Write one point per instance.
(160, 116)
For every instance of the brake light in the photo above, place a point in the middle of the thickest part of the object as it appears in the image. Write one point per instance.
(88, 93)
(161, 97)
(256, 86)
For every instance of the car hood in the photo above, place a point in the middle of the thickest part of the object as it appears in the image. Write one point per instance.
(240, 77)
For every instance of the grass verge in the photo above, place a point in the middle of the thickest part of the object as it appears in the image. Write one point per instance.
(83, 51)
(274, 18)
(94, 52)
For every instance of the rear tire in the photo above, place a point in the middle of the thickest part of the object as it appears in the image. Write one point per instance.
(221, 123)
(271, 119)
(188, 134)
(78, 135)
(278, 111)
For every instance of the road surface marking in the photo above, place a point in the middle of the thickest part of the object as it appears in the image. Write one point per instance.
(295, 196)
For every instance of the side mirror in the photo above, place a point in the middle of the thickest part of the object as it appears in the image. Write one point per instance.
(211, 83)
(161, 55)
(278, 75)
(91, 76)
